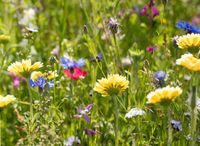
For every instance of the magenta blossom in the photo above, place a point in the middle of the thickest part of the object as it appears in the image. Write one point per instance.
(150, 10)
(16, 80)
(151, 49)
(84, 113)
(155, 11)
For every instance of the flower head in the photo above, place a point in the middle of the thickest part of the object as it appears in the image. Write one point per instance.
(114, 25)
(188, 40)
(113, 84)
(150, 9)
(160, 77)
(6, 100)
(91, 132)
(18, 68)
(135, 112)
(151, 49)
(189, 62)
(155, 11)
(71, 141)
(68, 63)
(83, 112)
(176, 125)
(75, 74)
(164, 94)
(188, 27)
(40, 82)
(16, 80)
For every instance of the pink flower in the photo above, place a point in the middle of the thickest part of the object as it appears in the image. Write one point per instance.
(155, 11)
(16, 80)
(75, 74)
(143, 12)
(151, 49)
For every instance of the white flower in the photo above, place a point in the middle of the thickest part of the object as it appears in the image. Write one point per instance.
(72, 140)
(28, 16)
(135, 112)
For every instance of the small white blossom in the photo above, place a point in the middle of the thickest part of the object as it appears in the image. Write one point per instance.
(72, 140)
(135, 112)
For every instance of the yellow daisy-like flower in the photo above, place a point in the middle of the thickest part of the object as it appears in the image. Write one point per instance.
(6, 100)
(49, 75)
(189, 62)
(23, 67)
(164, 94)
(113, 84)
(188, 40)
(36, 74)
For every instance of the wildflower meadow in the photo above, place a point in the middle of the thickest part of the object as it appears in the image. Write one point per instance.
(99, 72)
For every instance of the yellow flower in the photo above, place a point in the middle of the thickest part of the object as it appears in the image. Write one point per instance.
(189, 62)
(35, 75)
(164, 94)
(4, 38)
(189, 40)
(6, 100)
(23, 67)
(113, 84)
(51, 75)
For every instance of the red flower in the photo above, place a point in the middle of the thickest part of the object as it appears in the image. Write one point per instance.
(76, 74)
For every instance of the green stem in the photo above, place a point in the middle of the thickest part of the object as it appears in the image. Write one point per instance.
(116, 119)
(117, 50)
(31, 113)
(169, 141)
(193, 116)
(0, 126)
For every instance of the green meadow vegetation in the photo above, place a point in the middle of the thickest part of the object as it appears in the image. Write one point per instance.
(99, 72)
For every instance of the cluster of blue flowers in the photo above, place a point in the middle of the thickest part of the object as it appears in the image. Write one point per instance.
(188, 27)
(68, 63)
(41, 82)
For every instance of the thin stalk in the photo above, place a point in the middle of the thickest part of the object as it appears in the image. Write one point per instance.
(116, 120)
(169, 141)
(31, 112)
(193, 116)
(0, 127)
(117, 50)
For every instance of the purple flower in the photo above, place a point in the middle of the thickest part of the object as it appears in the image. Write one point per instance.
(155, 11)
(151, 49)
(176, 125)
(114, 25)
(143, 12)
(150, 10)
(97, 58)
(84, 113)
(91, 132)
(68, 63)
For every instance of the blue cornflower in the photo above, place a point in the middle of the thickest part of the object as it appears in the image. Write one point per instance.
(176, 125)
(188, 27)
(41, 82)
(160, 76)
(68, 63)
